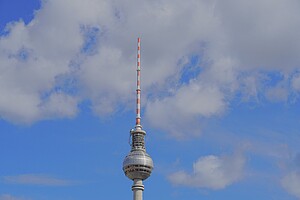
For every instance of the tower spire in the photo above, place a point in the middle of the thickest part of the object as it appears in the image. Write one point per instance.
(138, 165)
(138, 85)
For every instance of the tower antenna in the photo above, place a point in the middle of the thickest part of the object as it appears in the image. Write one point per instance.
(138, 85)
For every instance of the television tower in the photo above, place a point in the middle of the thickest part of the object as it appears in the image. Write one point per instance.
(138, 165)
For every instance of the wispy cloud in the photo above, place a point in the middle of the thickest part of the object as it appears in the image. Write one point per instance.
(37, 179)
(212, 172)
(291, 179)
(10, 197)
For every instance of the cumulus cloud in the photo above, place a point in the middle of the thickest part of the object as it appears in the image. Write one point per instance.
(92, 43)
(37, 179)
(212, 172)
(29, 76)
(177, 114)
(259, 34)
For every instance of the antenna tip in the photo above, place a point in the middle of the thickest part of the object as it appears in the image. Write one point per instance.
(139, 39)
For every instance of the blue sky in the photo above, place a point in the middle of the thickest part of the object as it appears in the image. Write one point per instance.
(220, 98)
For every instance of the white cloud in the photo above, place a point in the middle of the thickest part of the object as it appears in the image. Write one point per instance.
(177, 114)
(26, 76)
(296, 82)
(291, 183)
(291, 179)
(259, 33)
(236, 42)
(37, 179)
(213, 172)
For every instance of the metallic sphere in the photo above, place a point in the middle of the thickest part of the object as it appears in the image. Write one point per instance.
(137, 165)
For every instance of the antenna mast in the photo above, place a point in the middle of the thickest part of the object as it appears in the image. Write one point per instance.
(138, 85)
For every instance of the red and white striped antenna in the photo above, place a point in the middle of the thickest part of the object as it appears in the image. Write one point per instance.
(138, 85)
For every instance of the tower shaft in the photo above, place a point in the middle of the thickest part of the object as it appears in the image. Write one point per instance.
(137, 189)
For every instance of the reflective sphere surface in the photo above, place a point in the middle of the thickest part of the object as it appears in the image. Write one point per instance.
(137, 165)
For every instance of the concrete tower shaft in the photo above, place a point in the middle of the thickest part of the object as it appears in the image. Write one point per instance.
(138, 165)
